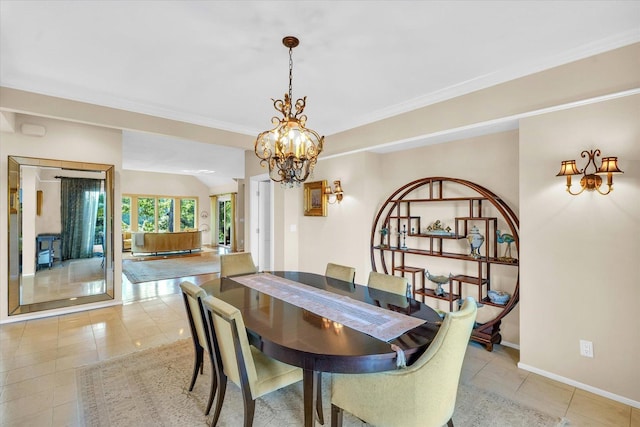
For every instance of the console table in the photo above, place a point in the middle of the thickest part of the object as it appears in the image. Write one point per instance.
(45, 252)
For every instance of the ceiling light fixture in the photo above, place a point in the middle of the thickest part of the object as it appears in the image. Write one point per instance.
(590, 181)
(289, 149)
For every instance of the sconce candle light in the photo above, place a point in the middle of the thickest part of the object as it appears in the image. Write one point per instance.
(590, 181)
(337, 192)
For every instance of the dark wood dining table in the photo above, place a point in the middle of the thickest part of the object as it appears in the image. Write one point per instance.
(301, 338)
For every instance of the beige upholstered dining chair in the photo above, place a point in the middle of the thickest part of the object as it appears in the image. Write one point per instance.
(255, 373)
(193, 296)
(340, 272)
(236, 263)
(421, 395)
(386, 282)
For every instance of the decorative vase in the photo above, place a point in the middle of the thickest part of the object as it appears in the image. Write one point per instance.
(498, 297)
(383, 237)
(403, 233)
(439, 281)
(475, 240)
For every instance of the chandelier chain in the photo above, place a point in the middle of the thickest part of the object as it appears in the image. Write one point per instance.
(291, 74)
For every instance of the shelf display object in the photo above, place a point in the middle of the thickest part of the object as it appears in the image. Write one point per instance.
(458, 261)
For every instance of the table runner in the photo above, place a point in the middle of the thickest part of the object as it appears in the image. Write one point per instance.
(378, 322)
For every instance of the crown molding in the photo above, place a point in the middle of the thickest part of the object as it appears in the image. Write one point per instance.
(502, 76)
(502, 124)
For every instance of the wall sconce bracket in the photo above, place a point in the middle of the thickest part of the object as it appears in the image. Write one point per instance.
(591, 181)
(334, 194)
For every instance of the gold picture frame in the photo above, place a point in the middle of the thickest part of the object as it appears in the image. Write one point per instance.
(315, 199)
(13, 201)
(39, 197)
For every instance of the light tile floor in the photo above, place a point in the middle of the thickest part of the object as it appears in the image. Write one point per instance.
(38, 359)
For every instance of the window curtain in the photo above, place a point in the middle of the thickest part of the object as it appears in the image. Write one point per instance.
(215, 229)
(234, 242)
(79, 211)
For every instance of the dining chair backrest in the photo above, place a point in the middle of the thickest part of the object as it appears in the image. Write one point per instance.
(386, 282)
(236, 263)
(232, 343)
(253, 371)
(396, 398)
(193, 296)
(340, 272)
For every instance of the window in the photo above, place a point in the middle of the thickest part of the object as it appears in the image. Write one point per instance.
(99, 233)
(158, 213)
(126, 214)
(165, 214)
(224, 222)
(146, 214)
(187, 214)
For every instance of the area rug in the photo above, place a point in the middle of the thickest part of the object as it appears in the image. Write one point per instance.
(146, 270)
(150, 388)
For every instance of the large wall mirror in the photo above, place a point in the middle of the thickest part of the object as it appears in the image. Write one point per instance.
(60, 234)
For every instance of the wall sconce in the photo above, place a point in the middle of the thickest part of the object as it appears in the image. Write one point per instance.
(590, 181)
(337, 192)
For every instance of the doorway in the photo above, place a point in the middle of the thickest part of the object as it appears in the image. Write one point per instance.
(261, 221)
(224, 222)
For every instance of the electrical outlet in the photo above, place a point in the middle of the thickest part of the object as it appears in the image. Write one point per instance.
(586, 348)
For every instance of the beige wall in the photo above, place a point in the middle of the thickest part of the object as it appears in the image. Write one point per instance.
(64, 141)
(342, 237)
(580, 270)
(164, 184)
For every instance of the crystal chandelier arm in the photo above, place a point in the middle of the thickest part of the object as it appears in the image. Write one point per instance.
(300, 104)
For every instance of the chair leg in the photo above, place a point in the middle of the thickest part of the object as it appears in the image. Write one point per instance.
(221, 391)
(249, 410)
(197, 365)
(212, 391)
(450, 422)
(319, 397)
(201, 360)
(336, 416)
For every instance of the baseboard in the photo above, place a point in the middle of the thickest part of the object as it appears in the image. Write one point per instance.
(510, 344)
(580, 385)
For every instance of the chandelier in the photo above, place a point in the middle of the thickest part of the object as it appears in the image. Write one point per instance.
(289, 149)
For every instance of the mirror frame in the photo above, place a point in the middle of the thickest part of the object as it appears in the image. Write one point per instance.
(14, 209)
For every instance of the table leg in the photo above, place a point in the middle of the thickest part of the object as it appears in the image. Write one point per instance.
(318, 397)
(309, 391)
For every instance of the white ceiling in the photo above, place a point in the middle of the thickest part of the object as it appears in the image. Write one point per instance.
(219, 63)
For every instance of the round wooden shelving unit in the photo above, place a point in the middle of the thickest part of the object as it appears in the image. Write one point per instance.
(411, 247)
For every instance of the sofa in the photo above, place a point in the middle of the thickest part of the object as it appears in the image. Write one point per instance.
(126, 241)
(166, 242)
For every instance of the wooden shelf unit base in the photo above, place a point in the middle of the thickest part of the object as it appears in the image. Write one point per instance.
(487, 337)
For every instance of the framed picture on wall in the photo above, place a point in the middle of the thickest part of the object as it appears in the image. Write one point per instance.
(315, 201)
